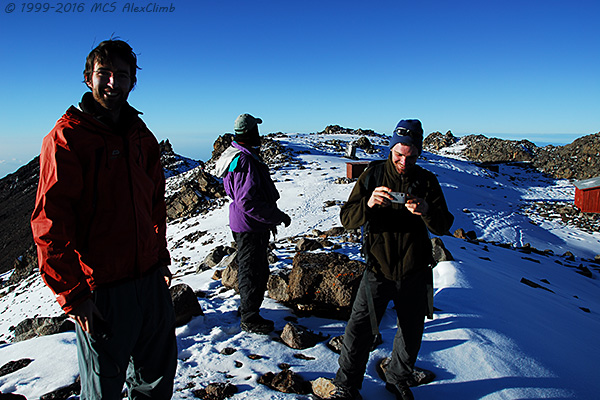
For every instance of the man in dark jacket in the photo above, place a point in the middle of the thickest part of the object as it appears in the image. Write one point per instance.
(253, 215)
(100, 227)
(398, 252)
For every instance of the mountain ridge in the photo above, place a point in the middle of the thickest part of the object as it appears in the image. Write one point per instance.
(577, 160)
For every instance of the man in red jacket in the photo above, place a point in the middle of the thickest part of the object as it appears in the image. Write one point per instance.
(100, 227)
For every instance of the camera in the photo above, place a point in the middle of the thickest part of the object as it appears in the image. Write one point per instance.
(398, 197)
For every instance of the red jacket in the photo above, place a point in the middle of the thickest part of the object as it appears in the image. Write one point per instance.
(100, 214)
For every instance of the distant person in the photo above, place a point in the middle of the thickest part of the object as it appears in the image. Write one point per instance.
(100, 228)
(253, 215)
(399, 259)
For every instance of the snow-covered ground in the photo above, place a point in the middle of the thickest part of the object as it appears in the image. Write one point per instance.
(492, 338)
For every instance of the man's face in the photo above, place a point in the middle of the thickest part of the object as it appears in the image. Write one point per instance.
(110, 83)
(404, 157)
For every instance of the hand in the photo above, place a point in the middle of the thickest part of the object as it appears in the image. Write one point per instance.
(166, 272)
(417, 205)
(381, 197)
(286, 220)
(84, 315)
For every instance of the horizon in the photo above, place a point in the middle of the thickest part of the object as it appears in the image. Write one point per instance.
(467, 66)
(202, 149)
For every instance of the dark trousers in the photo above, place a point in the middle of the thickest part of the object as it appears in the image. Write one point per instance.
(253, 273)
(410, 300)
(141, 349)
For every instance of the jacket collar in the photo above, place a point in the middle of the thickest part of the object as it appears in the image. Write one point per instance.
(127, 118)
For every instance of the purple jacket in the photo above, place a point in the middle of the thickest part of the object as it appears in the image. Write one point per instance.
(253, 193)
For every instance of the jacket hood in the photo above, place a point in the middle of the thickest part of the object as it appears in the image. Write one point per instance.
(222, 164)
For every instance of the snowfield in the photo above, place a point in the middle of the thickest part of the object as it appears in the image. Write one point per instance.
(492, 336)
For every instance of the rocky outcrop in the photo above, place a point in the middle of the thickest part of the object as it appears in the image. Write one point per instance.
(172, 163)
(577, 160)
(195, 195)
(42, 326)
(481, 148)
(435, 141)
(17, 199)
(338, 130)
(321, 283)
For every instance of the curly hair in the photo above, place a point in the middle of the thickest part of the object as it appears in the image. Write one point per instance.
(106, 52)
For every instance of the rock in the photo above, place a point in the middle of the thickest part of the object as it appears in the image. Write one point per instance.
(324, 283)
(194, 195)
(64, 392)
(24, 266)
(172, 163)
(299, 337)
(305, 244)
(440, 253)
(322, 387)
(336, 343)
(17, 199)
(578, 160)
(215, 257)
(534, 285)
(220, 145)
(364, 143)
(285, 381)
(436, 141)
(216, 391)
(42, 326)
(229, 276)
(335, 231)
(13, 366)
(461, 234)
(585, 271)
(278, 286)
(185, 303)
(12, 396)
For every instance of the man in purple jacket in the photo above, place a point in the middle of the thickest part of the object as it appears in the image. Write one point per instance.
(253, 214)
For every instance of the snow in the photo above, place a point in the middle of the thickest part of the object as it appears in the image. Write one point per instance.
(492, 337)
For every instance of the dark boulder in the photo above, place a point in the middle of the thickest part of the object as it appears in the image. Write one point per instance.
(185, 303)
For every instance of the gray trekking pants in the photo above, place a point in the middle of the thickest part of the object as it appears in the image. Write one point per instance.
(140, 348)
(410, 300)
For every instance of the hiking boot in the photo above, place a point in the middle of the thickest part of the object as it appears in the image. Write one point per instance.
(419, 376)
(257, 325)
(344, 393)
(400, 390)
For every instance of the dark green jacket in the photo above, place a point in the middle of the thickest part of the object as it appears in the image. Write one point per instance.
(398, 241)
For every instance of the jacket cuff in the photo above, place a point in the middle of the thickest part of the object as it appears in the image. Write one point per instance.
(70, 304)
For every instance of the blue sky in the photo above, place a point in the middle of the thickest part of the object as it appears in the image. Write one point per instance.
(511, 69)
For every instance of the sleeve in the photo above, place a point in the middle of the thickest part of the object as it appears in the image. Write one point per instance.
(438, 219)
(354, 212)
(159, 207)
(251, 195)
(53, 222)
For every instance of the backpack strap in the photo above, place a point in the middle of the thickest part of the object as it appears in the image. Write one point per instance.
(373, 179)
(374, 174)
